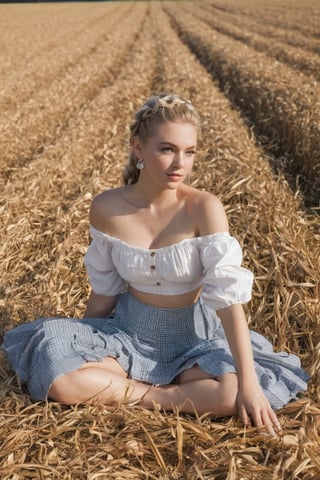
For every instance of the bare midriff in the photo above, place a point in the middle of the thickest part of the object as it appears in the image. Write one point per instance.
(166, 301)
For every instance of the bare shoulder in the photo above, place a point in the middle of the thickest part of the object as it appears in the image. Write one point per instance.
(104, 207)
(208, 213)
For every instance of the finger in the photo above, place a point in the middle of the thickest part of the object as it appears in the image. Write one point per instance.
(275, 421)
(278, 427)
(268, 422)
(244, 416)
(271, 421)
(257, 419)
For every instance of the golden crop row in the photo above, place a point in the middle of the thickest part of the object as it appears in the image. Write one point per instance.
(251, 24)
(284, 105)
(44, 60)
(299, 58)
(48, 101)
(292, 15)
(33, 36)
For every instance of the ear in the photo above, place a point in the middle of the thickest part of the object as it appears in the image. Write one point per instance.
(137, 146)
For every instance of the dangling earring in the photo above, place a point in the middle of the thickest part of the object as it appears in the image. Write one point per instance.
(140, 164)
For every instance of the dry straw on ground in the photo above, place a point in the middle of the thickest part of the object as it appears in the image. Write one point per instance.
(79, 113)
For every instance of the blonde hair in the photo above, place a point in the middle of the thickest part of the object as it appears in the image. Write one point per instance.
(157, 109)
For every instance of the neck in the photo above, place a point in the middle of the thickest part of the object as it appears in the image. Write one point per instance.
(148, 197)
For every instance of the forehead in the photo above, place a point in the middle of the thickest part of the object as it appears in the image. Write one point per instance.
(177, 133)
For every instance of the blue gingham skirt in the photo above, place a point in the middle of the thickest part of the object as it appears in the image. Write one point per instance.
(152, 344)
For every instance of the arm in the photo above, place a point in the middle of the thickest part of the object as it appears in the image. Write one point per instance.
(236, 329)
(251, 399)
(105, 281)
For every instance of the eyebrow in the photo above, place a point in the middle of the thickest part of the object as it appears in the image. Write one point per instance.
(173, 145)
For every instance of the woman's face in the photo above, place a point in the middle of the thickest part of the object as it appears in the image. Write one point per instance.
(168, 154)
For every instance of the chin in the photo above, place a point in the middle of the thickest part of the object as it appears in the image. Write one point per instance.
(174, 185)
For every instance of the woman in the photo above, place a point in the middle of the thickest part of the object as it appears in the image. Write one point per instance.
(164, 323)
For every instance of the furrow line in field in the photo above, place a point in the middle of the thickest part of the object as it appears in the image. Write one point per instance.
(287, 19)
(36, 77)
(59, 158)
(45, 234)
(44, 120)
(283, 106)
(298, 58)
(295, 39)
(233, 167)
(35, 36)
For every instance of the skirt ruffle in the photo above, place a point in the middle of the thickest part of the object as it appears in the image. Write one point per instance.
(152, 344)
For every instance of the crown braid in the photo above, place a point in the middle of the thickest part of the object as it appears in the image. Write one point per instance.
(157, 109)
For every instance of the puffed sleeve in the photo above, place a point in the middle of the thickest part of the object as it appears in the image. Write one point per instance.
(103, 276)
(225, 282)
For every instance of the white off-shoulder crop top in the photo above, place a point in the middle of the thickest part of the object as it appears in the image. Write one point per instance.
(212, 261)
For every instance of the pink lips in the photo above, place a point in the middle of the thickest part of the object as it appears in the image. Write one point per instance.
(175, 177)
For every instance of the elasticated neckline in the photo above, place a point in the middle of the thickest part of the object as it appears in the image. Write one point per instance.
(204, 239)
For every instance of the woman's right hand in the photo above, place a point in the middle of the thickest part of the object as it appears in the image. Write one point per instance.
(253, 404)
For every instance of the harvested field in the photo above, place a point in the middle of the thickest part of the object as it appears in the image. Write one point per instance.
(282, 106)
(289, 14)
(63, 138)
(249, 24)
(307, 62)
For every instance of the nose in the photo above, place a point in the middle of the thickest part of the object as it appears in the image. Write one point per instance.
(178, 159)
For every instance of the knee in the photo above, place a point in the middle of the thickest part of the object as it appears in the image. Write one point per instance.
(228, 392)
(63, 390)
(229, 406)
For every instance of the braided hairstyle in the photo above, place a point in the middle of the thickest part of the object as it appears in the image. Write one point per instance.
(157, 109)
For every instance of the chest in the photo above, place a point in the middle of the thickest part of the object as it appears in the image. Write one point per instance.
(147, 229)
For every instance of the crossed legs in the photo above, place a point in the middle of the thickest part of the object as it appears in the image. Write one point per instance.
(106, 381)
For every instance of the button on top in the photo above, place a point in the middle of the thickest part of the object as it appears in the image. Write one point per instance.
(152, 254)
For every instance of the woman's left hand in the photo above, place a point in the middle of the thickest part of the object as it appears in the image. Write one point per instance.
(252, 403)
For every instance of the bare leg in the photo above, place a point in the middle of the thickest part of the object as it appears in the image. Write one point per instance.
(104, 381)
(107, 382)
(204, 395)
